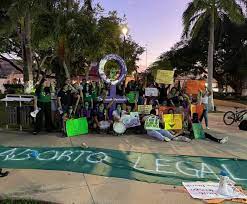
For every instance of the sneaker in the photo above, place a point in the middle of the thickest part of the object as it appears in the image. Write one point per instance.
(35, 132)
(182, 139)
(84, 145)
(166, 139)
(224, 140)
(207, 128)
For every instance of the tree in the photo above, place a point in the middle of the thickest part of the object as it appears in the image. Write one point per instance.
(196, 14)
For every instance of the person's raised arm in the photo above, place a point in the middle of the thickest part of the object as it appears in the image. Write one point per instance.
(111, 103)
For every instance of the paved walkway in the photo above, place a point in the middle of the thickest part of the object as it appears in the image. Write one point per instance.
(67, 187)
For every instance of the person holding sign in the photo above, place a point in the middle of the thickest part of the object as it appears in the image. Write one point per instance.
(163, 135)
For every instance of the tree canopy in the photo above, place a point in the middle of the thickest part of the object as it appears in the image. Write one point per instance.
(66, 36)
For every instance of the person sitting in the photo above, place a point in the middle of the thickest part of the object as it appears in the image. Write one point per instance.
(164, 135)
(87, 112)
(101, 119)
(243, 123)
(3, 174)
(223, 140)
(118, 113)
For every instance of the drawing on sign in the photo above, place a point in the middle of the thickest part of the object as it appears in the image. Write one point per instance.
(164, 76)
(151, 92)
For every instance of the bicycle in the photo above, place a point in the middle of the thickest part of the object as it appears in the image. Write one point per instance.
(230, 117)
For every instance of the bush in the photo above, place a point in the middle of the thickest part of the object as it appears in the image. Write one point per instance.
(14, 88)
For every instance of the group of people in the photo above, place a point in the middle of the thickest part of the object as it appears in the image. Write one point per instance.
(87, 99)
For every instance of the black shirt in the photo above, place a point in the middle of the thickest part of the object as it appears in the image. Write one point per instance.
(66, 98)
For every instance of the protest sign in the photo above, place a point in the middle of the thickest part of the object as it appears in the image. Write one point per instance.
(152, 123)
(198, 131)
(194, 86)
(208, 190)
(131, 120)
(76, 127)
(164, 76)
(166, 110)
(173, 121)
(196, 108)
(144, 109)
(151, 92)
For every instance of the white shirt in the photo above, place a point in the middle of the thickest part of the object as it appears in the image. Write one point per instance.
(205, 99)
(116, 114)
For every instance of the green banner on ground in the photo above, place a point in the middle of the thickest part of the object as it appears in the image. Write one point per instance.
(153, 168)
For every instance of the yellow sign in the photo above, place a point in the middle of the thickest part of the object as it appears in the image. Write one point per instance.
(164, 77)
(173, 121)
(144, 109)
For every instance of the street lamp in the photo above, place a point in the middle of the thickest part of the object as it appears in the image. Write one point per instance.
(124, 31)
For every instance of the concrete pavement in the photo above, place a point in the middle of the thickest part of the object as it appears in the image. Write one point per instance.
(68, 187)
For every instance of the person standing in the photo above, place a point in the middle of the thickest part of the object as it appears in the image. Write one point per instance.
(204, 101)
(42, 101)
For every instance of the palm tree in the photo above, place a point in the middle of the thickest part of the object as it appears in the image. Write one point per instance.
(199, 11)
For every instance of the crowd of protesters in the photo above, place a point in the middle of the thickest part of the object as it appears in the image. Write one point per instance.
(87, 99)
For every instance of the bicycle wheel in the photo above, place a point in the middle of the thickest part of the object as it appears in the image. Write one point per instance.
(229, 118)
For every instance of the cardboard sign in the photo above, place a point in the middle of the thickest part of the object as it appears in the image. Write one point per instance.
(131, 120)
(164, 76)
(208, 190)
(144, 109)
(196, 109)
(173, 121)
(76, 127)
(194, 86)
(151, 92)
(166, 110)
(152, 123)
(131, 96)
(198, 131)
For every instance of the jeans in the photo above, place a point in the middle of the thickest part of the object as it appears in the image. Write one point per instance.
(160, 134)
(205, 115)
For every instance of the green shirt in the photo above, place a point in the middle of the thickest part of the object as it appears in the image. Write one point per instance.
(43, 97)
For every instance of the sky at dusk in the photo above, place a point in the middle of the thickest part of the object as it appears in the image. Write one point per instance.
(157, 23)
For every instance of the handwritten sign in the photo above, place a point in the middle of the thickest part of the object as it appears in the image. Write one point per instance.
(144, 109)
(173, 121)
(208, 190)
(194, 86)
(151, 92)
(132, 120)
(166, 109)
(164, 77)
(152, 123)
(196, 108)
(198, 131)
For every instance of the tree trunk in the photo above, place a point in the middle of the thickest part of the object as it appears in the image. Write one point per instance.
(211, 61)
(27, 54)
(66, 70)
